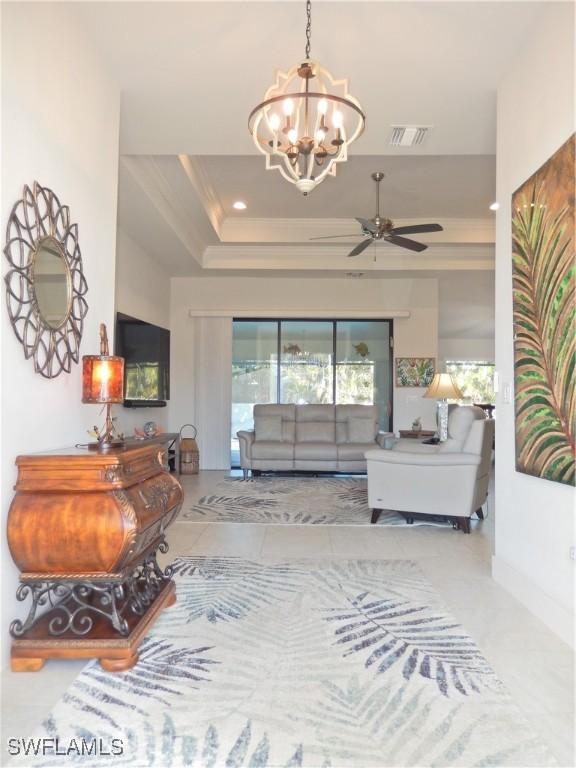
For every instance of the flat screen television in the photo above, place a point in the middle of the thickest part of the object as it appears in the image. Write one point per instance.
(146, 352)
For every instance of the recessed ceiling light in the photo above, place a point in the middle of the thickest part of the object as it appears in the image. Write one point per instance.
(239, 205)
(494, 206)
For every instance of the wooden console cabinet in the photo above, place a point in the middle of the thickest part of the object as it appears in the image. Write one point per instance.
(84, 528)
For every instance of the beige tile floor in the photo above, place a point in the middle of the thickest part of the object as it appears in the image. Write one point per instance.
(533, 663)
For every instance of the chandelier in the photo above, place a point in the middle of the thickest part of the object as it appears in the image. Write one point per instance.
(306, 121)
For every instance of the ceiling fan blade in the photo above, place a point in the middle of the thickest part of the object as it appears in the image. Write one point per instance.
(412, 230)
(329, 237)
(360, 247)
(367, 224)
(403, 242)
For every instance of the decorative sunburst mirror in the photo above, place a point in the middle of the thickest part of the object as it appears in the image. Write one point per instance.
(45, 285)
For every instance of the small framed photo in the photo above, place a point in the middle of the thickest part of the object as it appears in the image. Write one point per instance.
(414, 371)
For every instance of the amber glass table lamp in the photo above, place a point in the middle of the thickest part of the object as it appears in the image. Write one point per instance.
(103, 383)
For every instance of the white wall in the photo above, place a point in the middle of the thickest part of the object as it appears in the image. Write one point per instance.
(535, 517)
(466, 304)
(416, 336)
(60, 118)
(142, 285)
(142, 291)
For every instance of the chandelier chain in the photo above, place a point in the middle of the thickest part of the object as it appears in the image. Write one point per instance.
(308, 26)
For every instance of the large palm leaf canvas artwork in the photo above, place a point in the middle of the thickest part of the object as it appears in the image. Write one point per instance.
(544, 300)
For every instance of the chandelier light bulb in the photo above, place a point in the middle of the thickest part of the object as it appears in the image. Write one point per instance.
(288, 107)
(323, 106)
(274, 121)
(320, 135)
(337, 119)
(292, 136)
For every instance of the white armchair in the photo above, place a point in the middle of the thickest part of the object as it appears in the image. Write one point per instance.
(446, 480)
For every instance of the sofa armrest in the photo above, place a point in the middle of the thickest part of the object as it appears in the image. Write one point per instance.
(431, 459)
(245, 438)
(381, 437)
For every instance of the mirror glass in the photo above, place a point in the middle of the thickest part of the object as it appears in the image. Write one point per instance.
(51, 282)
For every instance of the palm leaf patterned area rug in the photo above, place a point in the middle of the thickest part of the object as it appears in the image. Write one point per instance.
(300, 663)
(289, 501)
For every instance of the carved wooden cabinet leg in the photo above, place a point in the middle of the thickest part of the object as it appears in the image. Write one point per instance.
(18, 664)
(119, 664)
(375, 515)
(480, 513)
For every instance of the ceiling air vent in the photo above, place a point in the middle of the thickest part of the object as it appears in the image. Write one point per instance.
(408, 135)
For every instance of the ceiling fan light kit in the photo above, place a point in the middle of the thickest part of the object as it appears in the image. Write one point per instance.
(306, 122)
(381, 228)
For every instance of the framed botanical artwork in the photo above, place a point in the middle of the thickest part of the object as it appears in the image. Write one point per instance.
(544, 302)
(414, 371)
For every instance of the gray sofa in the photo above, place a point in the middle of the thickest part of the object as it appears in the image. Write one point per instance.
(315, 438)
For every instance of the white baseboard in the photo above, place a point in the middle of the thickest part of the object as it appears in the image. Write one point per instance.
(546, 608)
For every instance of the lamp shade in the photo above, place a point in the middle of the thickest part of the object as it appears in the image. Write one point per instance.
(443, 387)
(102, 379)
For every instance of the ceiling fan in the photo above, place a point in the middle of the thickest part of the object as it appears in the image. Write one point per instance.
(380, 228)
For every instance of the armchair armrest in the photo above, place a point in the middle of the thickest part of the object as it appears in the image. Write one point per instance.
(245, 438)
(431, 459)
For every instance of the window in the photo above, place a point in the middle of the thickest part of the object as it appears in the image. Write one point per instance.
(364, 365)
(254, 370)
(309, 361)
(306, 349)
(475, 379)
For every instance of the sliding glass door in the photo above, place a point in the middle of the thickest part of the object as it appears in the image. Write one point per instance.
(309, 361)
(306, 349)
(254, 373)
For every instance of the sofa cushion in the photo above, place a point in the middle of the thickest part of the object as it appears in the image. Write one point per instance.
(474, 442)
(315, 451)
(353, 451)
(360, 430)
(286, 412)
(272, 449)
(268, 428)
(315, 432)
(460, 419)
(315, 412)
(345, 413)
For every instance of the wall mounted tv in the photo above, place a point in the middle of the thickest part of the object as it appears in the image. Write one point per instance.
(146, 352)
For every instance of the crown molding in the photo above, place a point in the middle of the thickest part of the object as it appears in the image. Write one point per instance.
(333, 258)
(196, 173)
(237, 229)
(160, 192)
(353, 314)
